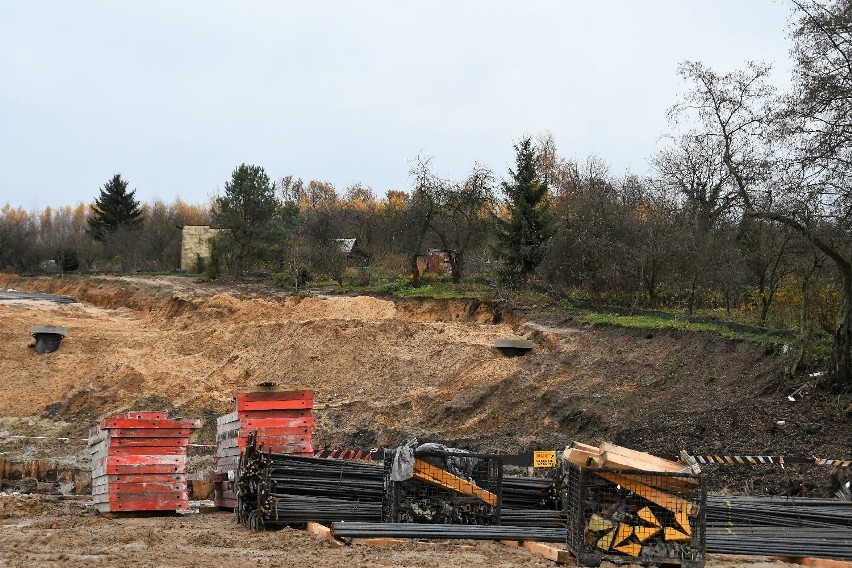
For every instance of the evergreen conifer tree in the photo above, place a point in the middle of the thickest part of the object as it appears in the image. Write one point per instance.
(115, 207)
(522, 236)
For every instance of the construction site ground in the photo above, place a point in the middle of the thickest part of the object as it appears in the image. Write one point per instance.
(382, 371)
(37, 531)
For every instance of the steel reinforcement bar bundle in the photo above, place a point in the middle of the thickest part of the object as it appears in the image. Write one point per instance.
(800, 527)
(530, 502)
(442, 531)
(279, 489)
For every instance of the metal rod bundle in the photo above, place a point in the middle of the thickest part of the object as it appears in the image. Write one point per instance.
(429, 531)
(532, 518)
(527, 492)
(780, 526)
(291, 509)
(280, 489)
(530, 502)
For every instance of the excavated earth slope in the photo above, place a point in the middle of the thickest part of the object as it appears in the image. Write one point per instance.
(386, 370)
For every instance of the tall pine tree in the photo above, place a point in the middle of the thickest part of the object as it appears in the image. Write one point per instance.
(522, 237)
(114, 208)
(247, 210)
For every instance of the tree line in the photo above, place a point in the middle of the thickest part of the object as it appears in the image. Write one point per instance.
(747, 211)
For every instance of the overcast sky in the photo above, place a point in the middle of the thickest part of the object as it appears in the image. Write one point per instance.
(175, 94)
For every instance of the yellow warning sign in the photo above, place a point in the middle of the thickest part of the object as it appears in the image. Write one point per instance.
(544, 458)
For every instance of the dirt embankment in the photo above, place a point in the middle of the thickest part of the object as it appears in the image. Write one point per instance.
(383, 371)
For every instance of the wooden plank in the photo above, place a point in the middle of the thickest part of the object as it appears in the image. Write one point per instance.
(581, 458)
(323, 531)
(647, 515)
(674, 535)
(605, 542)
(814, 562)
(631, 549)
(597, 523)
(547, 551)
(672, 483)
(644, 461)
(645, 533)
(652, 494)
(623, 532)
(585, 447)
(427, 472)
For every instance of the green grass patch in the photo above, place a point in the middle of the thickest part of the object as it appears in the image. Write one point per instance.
(653, 322)
(442, 291)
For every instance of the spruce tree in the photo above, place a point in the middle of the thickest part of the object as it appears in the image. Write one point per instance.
(522, 236)
(114, 208)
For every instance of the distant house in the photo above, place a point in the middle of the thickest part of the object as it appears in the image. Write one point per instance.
(195, 242)
(350, 248)
(346, 245)
(435, 261)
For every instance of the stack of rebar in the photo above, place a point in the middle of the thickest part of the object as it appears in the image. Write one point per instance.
(278, 489)
(441, 531)
(801, 527)
(530, 502)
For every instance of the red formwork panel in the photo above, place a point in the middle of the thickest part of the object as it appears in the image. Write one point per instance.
(146, 433)
(139, 462)
(275, 396)
(282, 418)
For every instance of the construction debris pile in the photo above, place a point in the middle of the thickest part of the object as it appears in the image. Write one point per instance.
(139, 462)
(796, 527)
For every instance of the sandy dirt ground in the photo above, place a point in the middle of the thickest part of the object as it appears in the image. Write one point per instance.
(382, 371)
(38, 532)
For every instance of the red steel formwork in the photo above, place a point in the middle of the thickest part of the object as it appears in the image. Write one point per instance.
(284, 424)
(139, 462)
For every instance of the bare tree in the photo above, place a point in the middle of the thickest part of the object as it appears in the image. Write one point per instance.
(457, 214)
(803, 184)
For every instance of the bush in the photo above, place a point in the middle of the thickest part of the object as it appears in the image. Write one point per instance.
(294, 279)
(213, 264)
(68, 259)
